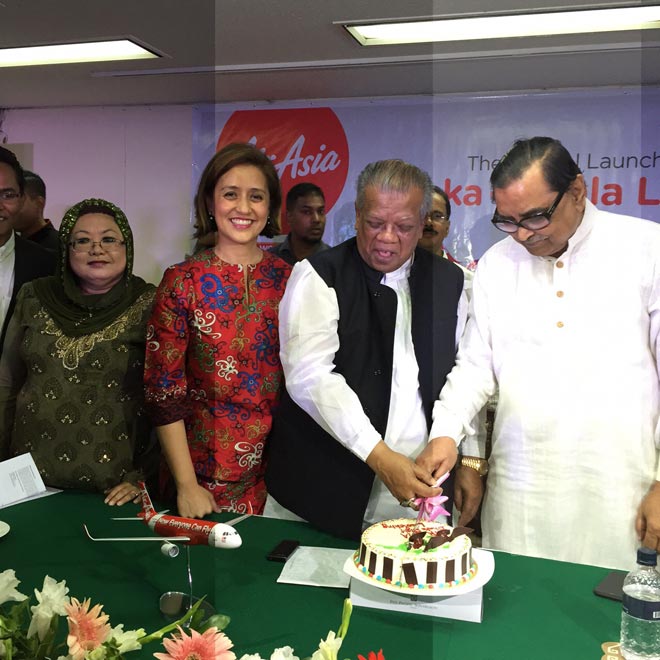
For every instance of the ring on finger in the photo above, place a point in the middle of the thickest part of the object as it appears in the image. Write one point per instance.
(407, 503)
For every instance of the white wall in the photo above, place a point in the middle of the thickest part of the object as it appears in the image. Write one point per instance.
(139, 158)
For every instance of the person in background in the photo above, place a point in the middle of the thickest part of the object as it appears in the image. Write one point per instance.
(436, 230)
(30, 221)
(20, 260)
(305, 213)
(437, 224)
(71, 377)
(213, 370)
(571, 335)
(368, 333)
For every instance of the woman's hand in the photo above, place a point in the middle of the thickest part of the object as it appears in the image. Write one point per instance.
(193, 501)
(124, 492)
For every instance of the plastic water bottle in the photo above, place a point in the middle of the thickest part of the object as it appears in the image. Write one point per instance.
(640, 619)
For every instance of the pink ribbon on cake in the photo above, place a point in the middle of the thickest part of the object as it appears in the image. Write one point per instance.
(431, 507)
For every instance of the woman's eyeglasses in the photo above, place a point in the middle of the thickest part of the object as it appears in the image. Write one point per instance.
(107, 243)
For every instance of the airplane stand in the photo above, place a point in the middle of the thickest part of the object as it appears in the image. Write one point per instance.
(174, 604)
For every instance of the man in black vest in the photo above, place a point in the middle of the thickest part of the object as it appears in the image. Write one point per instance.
(368, 333)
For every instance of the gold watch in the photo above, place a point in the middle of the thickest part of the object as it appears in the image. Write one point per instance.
(478, 464)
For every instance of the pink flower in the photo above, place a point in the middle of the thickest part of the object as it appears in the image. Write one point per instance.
(88, 629)
(431, 507)
(210, 645)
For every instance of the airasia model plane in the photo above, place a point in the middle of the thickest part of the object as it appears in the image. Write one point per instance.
(174, 529)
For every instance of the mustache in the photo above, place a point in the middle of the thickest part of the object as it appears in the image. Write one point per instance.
(429, 230)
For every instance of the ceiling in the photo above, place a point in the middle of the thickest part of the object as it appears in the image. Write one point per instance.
(266, 50)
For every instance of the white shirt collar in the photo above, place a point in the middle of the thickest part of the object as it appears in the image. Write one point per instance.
(8, 248)
(402, 272)
(583, 230)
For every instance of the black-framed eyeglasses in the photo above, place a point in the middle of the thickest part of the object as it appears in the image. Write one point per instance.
(533, 222)
(108, 243)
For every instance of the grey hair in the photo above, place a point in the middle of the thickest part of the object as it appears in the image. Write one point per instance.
(395, 176)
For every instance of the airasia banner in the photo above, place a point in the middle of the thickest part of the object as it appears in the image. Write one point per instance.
(613, 134)
(305, 144)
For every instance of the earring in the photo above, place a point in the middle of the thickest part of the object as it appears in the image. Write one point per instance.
(213, 224)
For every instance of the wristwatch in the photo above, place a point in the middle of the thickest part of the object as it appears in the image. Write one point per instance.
(478, 464)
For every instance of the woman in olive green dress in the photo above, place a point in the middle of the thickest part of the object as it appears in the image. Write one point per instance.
(71, 371)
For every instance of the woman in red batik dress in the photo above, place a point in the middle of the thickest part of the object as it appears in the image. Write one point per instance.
(212, 369)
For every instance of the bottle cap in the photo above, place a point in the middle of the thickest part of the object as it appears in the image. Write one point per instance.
(647, 557)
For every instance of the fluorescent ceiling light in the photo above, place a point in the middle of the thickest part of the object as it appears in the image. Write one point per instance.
(94, 51)
(502, 26)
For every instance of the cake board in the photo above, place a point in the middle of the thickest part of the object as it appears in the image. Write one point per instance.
(462, 603)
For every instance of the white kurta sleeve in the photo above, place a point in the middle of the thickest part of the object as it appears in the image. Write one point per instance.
(309, 315)
(470, 382)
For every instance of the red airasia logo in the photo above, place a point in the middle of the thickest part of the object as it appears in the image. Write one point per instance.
(305, 144)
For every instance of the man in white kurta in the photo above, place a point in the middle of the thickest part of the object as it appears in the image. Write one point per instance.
(571, 335)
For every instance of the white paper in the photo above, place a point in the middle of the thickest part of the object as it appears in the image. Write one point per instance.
(20, 481)
(318, 567)
(465, 607)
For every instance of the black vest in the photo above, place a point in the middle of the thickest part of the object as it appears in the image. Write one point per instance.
(308, 471)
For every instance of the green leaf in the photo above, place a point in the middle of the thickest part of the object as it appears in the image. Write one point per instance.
(220, 621)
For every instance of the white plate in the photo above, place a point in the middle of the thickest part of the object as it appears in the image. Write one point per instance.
(485, 568)
(4, 529)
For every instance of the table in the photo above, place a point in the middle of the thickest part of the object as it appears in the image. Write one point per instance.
(533, 608)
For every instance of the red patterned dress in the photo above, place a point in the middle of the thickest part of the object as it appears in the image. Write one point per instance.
(213, 360)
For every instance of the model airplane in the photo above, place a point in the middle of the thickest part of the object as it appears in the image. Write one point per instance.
(173, 529)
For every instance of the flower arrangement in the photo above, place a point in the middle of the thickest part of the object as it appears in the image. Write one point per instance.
(30, 632)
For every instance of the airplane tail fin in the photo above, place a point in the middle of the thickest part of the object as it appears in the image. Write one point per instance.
(148, 510)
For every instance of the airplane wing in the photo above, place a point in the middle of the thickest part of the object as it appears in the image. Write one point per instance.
(235, 521)
(160, 539)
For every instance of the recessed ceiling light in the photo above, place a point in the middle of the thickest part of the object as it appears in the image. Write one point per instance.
(93, 51)
(502, 26)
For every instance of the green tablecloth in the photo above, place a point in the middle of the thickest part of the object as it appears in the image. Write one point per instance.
(533, 608)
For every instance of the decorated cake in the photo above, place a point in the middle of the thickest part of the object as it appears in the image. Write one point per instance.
(418, 554)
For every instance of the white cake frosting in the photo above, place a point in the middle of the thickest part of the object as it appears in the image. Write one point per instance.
(387, 553)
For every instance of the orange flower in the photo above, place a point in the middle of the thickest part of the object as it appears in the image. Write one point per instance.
(211, 645)
(88, 629)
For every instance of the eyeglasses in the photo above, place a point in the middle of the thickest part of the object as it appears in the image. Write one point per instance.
(533, 222)
(108, 243)
(9, 195)
(436, 216)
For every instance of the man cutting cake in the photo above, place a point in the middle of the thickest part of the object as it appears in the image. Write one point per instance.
(368, 333)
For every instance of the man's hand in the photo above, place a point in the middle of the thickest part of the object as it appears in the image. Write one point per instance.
(468, 491)
(439, 456)
(193, 501)
(648, 518)
(404, 479)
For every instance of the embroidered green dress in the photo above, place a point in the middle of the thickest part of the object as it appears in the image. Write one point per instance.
(80, 409)
(71, 372)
